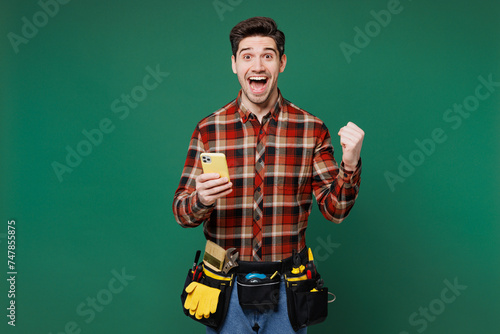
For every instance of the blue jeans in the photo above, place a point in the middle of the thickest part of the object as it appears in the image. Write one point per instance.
(241, 321)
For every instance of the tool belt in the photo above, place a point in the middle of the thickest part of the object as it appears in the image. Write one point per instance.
(258, 285)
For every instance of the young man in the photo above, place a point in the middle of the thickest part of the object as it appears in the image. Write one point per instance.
(278, 157)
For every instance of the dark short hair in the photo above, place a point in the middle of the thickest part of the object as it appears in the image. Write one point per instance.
(257, 26)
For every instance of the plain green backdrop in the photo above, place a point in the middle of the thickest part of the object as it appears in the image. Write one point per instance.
(388, 262)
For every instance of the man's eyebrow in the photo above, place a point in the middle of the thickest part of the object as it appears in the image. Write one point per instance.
(245, 49)
(271, 49)
(265, 49)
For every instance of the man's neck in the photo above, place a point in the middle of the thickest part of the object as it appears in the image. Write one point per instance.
(260, 110)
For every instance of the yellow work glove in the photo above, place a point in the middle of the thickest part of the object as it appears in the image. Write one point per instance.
(201, 300)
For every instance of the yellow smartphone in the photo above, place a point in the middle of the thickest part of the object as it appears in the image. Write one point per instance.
(215, 163)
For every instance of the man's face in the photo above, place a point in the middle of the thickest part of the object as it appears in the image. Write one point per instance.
(257, 65)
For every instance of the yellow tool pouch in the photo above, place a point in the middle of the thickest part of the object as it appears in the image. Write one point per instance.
(205, 296)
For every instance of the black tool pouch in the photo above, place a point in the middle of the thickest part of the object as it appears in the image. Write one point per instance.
(258, 294)
(224, 284)
(307, 305)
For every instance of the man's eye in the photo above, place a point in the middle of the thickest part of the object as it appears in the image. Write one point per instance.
(268, 56)
(246, 57)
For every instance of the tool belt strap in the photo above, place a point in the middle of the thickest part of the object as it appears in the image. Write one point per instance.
(264, 267)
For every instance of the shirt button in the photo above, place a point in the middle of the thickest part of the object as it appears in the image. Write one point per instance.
(258, 189)
(261, 131)
(260, 160)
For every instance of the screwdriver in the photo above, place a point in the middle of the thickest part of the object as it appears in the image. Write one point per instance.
(196, 258)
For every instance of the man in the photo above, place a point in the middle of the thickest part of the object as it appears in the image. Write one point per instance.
(278, 156)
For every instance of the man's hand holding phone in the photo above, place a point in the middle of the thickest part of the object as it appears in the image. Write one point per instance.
(210, 187)
(214, 182)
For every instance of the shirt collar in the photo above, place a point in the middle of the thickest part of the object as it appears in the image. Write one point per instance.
(245, 113)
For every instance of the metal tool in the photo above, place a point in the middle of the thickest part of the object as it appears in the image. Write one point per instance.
(298, 267)
(197, 270)
(197, 273)
(230, 261)
(196, 258)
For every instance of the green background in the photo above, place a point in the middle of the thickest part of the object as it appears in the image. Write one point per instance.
(388, 259)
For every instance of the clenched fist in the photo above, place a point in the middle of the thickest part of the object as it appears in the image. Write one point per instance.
(351, 139)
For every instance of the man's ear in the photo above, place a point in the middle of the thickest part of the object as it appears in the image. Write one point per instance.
(233, 64)
(282, 63)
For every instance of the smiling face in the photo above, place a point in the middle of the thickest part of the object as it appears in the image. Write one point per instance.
(257, 65)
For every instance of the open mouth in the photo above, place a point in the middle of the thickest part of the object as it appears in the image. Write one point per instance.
(257, 84)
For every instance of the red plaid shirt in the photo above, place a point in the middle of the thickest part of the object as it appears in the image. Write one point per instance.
(298, 162)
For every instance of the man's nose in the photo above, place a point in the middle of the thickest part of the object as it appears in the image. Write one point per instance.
(258, 65)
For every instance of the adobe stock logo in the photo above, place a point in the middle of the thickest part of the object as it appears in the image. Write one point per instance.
(97, 303)
(436, 307)
(372, 29)
(427, 146)
(30, 28)
(325, 248)
(121, 107)
(222, 6)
